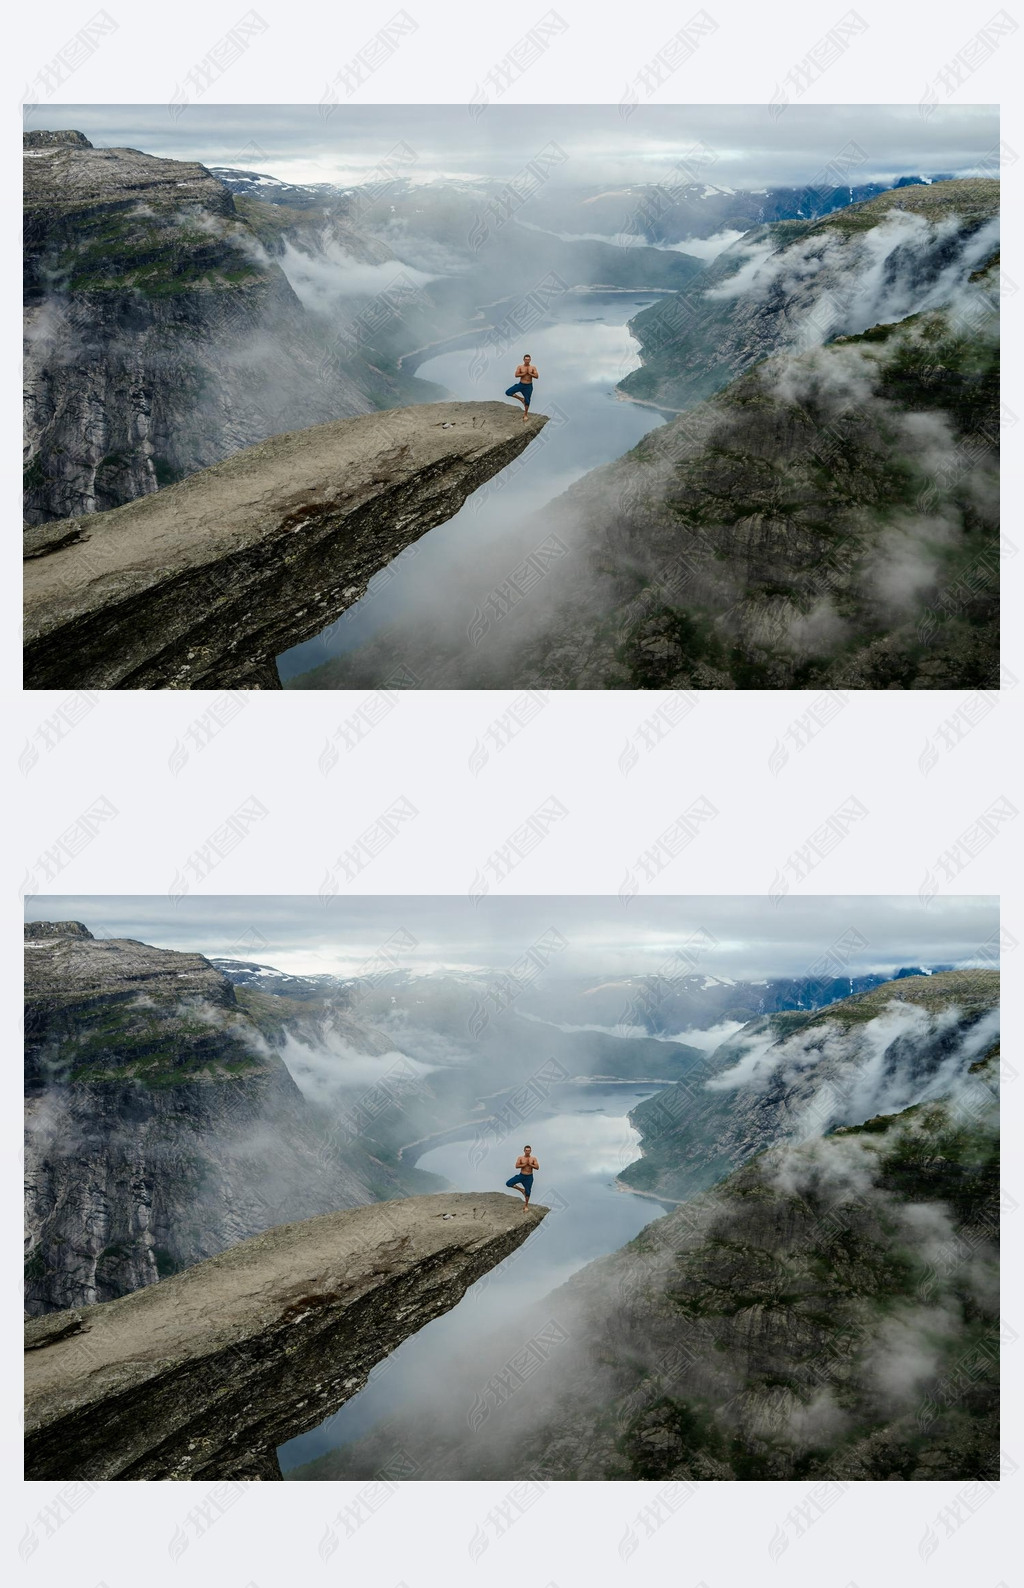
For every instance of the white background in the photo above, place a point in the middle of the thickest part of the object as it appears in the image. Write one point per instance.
(127, 750)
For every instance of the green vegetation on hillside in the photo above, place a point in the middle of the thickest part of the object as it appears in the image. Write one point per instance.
(828, 1312)
(811, 1064)
(968, 990)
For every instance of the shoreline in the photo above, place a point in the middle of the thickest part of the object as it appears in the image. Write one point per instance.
(649, 1196)
(615, 1080)
(629, 292)
(454, 1132)
(451, 342)
(642, 402)
(429, 348)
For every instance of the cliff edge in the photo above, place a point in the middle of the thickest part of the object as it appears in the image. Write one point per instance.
(203, 584)
(205, 1374)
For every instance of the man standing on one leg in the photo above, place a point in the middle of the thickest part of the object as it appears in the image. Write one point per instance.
(522, 1180)
(522, 391)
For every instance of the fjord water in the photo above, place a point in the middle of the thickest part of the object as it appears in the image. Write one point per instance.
(581, 1146)
(581, 353)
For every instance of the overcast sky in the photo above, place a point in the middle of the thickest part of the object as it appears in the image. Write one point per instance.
(754, 937)
(752, 150)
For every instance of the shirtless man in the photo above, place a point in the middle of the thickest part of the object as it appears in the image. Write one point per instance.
(522, 1180)
(522, 391)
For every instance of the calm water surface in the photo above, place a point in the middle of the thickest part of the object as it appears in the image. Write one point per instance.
(581, 1147)
(580, 355)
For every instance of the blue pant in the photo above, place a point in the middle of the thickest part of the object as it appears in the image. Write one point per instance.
(525, 1180)
(526, 392)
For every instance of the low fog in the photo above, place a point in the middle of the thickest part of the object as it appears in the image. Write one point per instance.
(524, 562)
(337, 1077)
(520, 1368)
(905, 264)
(853, 1072)
(325, 282)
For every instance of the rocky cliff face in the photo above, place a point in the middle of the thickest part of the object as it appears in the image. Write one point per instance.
(829, 1311)
(42, 931)
(791, 1076)
(170, 321)
(162, 1124)
(204, 1375)
(161, 334)
(55, 140)
(202, 585)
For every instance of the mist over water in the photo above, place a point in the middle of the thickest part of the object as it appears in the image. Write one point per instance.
(581, 353)
(581, 1147)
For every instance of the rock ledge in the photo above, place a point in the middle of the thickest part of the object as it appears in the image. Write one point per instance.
(203, 584)
(205, 1374)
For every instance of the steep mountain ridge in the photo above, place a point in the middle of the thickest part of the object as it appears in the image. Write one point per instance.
(160, 334)
(790, 1075)
(791, 284)
(162, 1124)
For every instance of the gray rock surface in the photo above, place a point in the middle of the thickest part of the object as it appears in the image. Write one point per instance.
(204, 1375)
(36, 931)
(160, 332)
(55, 140)
(162, 1124)
(204, 583)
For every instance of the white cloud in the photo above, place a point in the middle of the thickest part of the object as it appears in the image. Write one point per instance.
(325, 280)
(332, 1071)
(748, 936)
(705, 248)
(296, 143)
(837, 283)
(707, 1041)
(837, 1074)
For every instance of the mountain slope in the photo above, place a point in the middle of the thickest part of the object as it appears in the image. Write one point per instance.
(828, 520)
(161, 1122)
(808, 1319)
(791, 284)
(787, 1076)
(160, 334)
(829, 1311)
